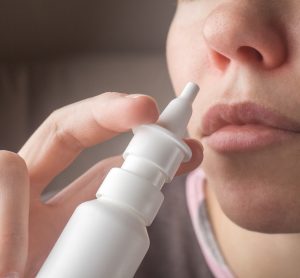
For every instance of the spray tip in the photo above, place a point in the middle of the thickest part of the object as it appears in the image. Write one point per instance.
(177, 114)
(190, 92)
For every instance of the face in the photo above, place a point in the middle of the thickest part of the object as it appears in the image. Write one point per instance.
(245, 56)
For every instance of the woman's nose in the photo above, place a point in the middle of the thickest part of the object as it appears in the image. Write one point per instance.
(237, 34)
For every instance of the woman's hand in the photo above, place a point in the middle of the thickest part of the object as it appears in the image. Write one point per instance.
(28, 227)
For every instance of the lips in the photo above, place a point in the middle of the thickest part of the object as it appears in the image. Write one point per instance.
(245, 126)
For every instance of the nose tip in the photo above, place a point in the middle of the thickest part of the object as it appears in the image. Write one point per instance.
(236, 34)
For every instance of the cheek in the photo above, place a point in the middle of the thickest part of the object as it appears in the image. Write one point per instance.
(186, 53)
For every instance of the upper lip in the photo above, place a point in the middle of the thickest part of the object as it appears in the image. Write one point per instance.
(244, 113)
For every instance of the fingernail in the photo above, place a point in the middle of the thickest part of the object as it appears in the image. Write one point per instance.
(11, 275)
(135, 95)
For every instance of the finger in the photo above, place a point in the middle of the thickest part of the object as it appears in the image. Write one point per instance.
(85, 187)
(196, 159)
(70, 129)
(14, 210)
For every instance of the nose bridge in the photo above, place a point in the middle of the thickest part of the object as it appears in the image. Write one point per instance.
(235, 33)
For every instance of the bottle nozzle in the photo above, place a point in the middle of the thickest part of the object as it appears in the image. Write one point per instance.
(177, 114)
(190, 92)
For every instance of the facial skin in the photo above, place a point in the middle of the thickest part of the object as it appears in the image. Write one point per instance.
(241, 51)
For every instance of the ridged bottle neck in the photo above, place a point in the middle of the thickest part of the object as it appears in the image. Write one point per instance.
(145, 169)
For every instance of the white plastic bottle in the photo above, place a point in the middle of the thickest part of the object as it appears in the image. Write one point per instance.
(107, 237)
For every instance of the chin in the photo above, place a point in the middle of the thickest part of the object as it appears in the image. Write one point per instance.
(257, 191)
(264, 215)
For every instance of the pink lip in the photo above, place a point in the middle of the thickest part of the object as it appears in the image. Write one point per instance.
(245, 126)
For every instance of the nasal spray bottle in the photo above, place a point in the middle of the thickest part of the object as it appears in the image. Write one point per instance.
(107, 237)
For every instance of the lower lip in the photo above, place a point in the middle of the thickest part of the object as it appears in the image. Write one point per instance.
(235, 138)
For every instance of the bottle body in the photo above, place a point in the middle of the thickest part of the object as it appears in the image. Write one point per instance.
(101, 239)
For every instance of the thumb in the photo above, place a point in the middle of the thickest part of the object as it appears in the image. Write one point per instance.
(14, 213)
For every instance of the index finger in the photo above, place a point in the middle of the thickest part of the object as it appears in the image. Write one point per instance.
(67, 131)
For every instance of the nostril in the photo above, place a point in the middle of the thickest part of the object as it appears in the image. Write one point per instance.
(249, 54)
(237, 34)
(219, 60)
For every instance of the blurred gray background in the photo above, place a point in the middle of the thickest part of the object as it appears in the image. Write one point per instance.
(53, 53)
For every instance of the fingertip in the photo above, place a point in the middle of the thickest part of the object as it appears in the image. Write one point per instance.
(14, 176)
(11, 162)
(196, 159)
(144, 109)
(197, 149)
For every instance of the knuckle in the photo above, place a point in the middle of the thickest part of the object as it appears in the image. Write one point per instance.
(61, 131)
(54, 115)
